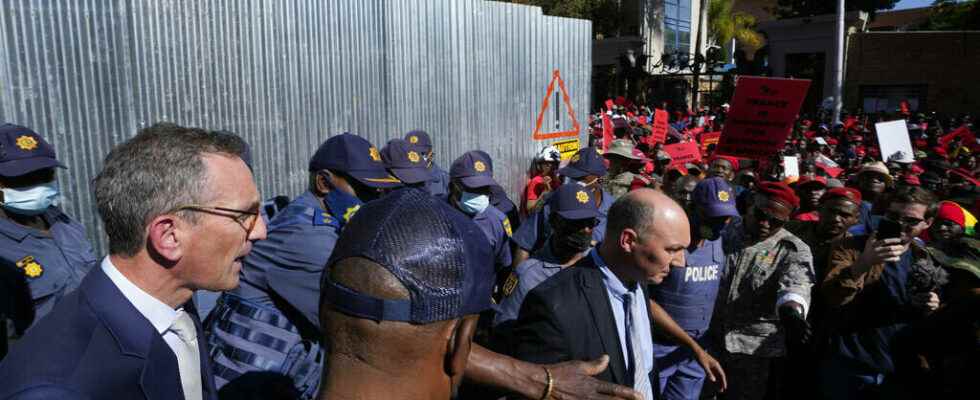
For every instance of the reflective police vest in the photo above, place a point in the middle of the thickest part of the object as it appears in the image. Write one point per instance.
(688, 294)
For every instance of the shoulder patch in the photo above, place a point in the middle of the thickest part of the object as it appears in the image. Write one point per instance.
(510, 284)
(323, 218)
(507, 227)
(31, 267)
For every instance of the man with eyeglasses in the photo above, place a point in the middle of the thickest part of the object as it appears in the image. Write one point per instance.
(180, 208)
(764, 295)
(876, 287)
(268, 326)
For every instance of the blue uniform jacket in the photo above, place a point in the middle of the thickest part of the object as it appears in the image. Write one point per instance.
(289, 262)
(439, 185)
(528, 274)
(497, 228)
(96, 345)
(53, 263)
(533, 233)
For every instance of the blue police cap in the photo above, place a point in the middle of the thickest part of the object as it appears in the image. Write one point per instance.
(715, 198)
(23, 151)
(437, 253)
(587, 161)
(355, 156)
(572, 201)
(405, 161)
(419, 138)
(474, 169)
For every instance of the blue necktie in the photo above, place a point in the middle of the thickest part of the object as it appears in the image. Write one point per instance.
(628, 318)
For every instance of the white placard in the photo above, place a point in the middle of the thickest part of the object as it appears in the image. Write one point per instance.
(821, 141)
(894, 142)
(791, 166)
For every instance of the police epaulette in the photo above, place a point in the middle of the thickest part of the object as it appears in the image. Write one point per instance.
(323, 218)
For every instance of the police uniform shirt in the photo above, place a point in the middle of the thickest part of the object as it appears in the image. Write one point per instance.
(536, 229)
(497, 228)
(290, 260)
(439, 185)
(528, 274)
(52, 263)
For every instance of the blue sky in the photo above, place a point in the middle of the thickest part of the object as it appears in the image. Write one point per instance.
(912, 4)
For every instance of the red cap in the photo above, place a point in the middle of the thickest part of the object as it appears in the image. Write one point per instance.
(911, 180)
(781, 192)
(732, 160)
(916, 169)
(848, 193)
(809, 180)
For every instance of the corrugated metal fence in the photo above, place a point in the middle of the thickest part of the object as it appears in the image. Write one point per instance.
(87, 74)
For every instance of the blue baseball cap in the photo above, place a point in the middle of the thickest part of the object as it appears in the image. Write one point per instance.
(715, 198)
(437, 253)
(355, 156)
(419, 138)
(587, 161)
(405, 161)
(572, 201)
(23, 151)
(474, 169)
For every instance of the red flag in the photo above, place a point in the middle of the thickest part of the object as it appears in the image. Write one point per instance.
(968, 138)
(607, 132)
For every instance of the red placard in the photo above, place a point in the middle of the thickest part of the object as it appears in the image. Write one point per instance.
(659, 128)
(681, 153)
(607, 131)
(762, 115)
(709, 138)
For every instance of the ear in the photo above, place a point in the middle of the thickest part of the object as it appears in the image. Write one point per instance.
(929, 222)
(458, 346)
(323, 182)
(165, 237)
(627, 240)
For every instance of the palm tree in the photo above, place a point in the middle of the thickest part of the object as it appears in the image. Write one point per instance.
(724, 24)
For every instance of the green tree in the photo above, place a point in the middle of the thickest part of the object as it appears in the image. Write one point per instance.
(606, 15)
(809, 8)
(951, 15)
(724, 24)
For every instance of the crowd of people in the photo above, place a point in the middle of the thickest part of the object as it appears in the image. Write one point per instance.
(617, 273)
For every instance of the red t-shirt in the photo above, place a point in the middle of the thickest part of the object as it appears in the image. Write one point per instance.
(536, 187)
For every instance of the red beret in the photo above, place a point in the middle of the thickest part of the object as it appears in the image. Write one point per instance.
(806, 180)
(732, 160)
(848, 193)
(781, 192)
(911, 180)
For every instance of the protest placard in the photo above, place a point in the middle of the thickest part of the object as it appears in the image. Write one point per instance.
(709, 138)
(761, 116)
(659, 129)
(681, 153)
(791, 166)
(894, 142)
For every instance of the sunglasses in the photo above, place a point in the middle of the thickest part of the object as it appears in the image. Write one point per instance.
(904, 221)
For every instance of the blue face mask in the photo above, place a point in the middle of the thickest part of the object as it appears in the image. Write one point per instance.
(33, 200)
(472, 203)
(341, 205)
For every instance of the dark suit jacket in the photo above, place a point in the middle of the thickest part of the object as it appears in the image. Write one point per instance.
(96, 345)
(569, 317)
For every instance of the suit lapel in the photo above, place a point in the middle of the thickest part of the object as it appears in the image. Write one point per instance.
(595, 294)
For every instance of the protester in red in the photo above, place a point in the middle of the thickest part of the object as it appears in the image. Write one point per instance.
(544, 178)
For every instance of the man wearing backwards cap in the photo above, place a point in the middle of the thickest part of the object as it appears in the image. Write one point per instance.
(471, 179)
(397, 311)
(584, 169)
(687, 296)
(49, 249)
(764, 295)
(439, 185)
(573, 216)
(278, 295)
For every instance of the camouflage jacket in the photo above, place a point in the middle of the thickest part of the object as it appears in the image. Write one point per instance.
(620, 184)
(759, 278)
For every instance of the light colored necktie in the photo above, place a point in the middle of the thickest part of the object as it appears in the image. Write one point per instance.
(641, 377)
(188, 357)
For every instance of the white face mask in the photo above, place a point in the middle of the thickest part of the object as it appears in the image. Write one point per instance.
(472, 203)
(33, 200)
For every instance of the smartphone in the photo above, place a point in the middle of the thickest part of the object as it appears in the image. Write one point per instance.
(888, 229)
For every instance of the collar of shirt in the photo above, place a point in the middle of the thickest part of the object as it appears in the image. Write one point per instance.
(612, 282)
(18, 232)
(546, 257)
(160, 315)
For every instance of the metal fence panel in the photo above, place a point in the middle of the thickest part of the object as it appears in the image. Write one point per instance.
(286, 75)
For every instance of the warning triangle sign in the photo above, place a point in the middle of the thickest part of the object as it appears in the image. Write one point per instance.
(576, 128)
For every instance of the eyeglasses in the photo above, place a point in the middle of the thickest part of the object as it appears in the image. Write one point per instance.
(904, 221)
(245, 218)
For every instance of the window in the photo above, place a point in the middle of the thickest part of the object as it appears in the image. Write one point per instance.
(677, 29)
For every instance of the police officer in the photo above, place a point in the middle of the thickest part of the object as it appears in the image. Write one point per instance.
(47, 247)
(584, 169)
(269, 323)
(573, 216)
(471, 178)
(406, 163)
(439, 185)
(688, 294)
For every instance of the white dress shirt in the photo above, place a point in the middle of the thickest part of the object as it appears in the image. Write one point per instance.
(161, 316)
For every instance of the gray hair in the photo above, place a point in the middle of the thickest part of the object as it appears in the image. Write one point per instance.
(158, 170)
(629, 212)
